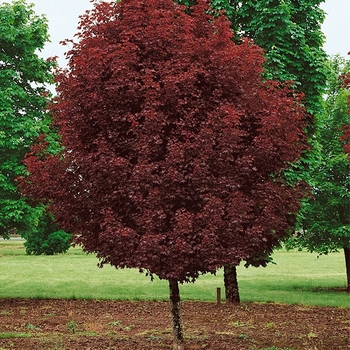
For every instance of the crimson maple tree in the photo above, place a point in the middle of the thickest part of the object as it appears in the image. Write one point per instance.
(173, 145)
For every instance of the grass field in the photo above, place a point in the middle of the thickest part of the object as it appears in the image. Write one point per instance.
(297, 278)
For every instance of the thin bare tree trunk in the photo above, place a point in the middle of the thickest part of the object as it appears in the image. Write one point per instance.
(231, 284)
(179, 342)
(347, 265)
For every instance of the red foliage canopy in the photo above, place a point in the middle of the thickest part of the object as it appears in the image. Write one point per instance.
(170, 140)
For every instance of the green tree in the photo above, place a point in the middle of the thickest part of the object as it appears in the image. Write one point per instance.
(290, 33)
(324, 220)
(23, 99)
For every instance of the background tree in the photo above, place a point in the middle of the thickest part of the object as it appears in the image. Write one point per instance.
(324, 221)
(290, 33)
(23, 98)
(173, 144)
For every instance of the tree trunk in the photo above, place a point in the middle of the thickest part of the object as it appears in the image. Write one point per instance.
(231, 284)
(347, 266)
(179, 343)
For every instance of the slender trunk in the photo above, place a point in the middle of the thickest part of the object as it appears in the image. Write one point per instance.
(231, 284)
(179, 343)
(347, 265)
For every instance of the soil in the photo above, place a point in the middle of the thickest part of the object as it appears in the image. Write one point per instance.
(124, 325)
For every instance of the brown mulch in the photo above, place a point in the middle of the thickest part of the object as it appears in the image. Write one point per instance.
(125, 325)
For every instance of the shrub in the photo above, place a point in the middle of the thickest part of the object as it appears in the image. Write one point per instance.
(48, 239)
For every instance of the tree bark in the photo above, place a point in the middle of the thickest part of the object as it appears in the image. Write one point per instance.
(179, 342)
(347, 266)
(231, 284)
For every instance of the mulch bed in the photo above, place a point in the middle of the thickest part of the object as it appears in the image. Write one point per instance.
(124, 325)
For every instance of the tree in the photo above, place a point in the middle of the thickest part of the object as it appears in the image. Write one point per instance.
(173, 144)
(23, 117)
(290, 33)
(23, 79)
(324, 220)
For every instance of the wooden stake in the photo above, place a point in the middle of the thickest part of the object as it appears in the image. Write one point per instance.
(218, 296)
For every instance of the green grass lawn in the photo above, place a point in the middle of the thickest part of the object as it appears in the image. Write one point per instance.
(297, 277)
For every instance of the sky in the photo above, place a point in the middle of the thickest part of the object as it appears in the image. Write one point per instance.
(63, 20)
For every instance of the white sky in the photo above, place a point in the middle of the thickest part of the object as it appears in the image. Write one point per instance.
(63, 20)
